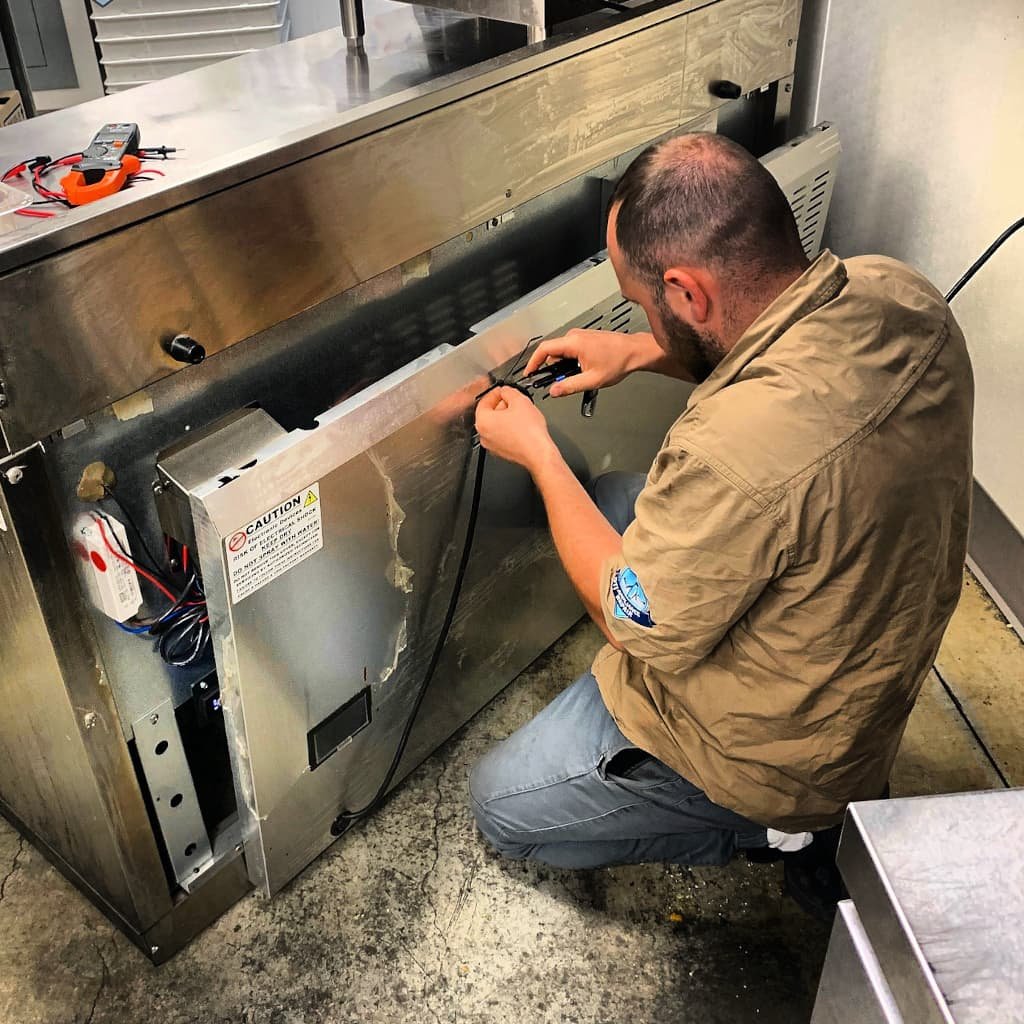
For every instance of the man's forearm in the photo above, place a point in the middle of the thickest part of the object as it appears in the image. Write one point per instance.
(583, 538)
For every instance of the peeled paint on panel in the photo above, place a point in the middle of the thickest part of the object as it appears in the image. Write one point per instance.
(139, 404)
(399, 572)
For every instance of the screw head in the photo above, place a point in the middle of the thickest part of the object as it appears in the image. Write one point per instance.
(15, 474)
(153, 719)
(154, 950)
(203, 685)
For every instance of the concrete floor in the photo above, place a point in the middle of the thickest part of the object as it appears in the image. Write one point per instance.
(411, 919)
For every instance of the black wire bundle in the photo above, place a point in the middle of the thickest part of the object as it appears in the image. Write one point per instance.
(182, 632)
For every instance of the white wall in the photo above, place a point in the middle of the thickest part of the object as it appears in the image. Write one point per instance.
(929, 99)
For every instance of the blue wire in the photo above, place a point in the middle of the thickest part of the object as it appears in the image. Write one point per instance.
(132, 629)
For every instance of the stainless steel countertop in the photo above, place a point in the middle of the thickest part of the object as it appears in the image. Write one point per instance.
(243, 117)
(952, 868)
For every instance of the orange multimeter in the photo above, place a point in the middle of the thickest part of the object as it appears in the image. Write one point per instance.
(109, 161)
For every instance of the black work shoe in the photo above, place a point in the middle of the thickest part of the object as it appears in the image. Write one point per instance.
(813, 879)
(762, 854)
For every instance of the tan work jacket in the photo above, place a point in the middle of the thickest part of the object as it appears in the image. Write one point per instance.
(798, 548)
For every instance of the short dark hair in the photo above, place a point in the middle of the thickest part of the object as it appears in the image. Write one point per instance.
(702, 199)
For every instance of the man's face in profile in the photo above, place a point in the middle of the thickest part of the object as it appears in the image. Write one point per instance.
(698, 351)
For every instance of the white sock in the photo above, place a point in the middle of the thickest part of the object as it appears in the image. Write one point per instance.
(788, 842)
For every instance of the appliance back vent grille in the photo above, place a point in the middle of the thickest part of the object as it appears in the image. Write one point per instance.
(805, 169)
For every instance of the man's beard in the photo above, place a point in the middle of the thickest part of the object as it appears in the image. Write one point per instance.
(698, 351)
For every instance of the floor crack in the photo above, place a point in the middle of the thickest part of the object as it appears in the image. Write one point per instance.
(104, 979)
(14, 866)
(436, 844)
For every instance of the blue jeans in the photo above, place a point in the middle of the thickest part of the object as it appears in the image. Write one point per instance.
(568, 789)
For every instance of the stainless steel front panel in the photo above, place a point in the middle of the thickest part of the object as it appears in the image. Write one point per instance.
(852, 986)
(938, 883)
(234, 264)
(352, 204)
(393, 466)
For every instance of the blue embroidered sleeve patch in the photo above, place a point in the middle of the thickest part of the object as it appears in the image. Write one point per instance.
(629, 597)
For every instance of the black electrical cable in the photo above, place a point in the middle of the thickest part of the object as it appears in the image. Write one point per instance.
(347, 819)
(983, 259)
(154, 563)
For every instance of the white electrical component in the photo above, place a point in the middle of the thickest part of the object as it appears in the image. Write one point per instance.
(111, 584)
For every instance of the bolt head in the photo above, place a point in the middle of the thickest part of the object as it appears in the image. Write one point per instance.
(15, 474)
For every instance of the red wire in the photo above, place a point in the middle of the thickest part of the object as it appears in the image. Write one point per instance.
(43, 214)
(184, 559)
(127, 561)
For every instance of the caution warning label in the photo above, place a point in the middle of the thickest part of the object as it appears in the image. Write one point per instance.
(274, 542)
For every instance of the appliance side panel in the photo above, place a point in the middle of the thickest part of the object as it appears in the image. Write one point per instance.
(65, 770)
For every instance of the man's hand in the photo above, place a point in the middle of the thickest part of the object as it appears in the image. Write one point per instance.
(605, 358)
(513, 428)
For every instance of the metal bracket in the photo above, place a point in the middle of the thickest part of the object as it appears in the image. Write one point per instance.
(167, 774)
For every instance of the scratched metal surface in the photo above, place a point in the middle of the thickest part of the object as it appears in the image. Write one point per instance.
(939, 886)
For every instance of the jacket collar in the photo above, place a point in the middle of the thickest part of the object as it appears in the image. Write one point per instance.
(818, 284)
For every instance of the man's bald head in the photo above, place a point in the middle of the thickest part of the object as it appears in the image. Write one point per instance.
(701, 200)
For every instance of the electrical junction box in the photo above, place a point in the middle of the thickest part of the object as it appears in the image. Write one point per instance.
(110, 584)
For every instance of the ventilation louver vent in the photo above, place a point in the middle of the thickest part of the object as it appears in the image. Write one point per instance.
(805, 169)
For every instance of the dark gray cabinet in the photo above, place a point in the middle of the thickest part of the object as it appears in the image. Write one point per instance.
(44, 42)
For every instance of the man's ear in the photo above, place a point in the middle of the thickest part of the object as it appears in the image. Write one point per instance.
(687, 294)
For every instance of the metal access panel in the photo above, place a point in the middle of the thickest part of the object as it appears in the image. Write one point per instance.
(328, 558)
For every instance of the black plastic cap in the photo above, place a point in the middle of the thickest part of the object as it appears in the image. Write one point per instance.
(726, 90)
(185, 349)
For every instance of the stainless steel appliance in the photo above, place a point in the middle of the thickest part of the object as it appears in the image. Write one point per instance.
(356, 243)
(932, 931)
